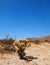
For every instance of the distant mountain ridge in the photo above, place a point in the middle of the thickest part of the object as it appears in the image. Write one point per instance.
(43, 38)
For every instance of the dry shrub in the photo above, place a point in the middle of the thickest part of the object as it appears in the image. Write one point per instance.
(37, 41)
(7, 43)
(47, 40)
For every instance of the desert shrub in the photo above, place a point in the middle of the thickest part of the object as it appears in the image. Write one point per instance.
(7, 43)
(37, 41)
(46, 40)
(23, 41)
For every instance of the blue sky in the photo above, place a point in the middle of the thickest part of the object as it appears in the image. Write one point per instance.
(24, 18)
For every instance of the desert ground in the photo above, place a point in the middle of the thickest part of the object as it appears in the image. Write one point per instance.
(41, 51)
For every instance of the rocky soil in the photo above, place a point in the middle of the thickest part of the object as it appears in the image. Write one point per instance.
(41, 51)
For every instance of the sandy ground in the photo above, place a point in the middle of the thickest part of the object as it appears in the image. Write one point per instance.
(41, 51)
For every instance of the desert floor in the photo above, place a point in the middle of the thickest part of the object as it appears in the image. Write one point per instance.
(41, 51)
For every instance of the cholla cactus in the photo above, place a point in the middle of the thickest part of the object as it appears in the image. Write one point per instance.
(20, 47)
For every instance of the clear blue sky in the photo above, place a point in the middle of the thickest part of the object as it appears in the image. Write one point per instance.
(24, 18)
